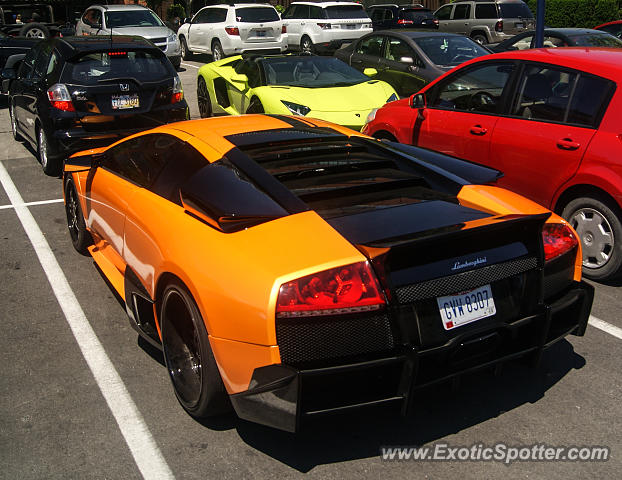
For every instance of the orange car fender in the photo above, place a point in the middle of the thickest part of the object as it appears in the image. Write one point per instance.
(498, 201)
(234, 278)
(238, 360)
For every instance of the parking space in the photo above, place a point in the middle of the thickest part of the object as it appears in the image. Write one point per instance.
(58, 424)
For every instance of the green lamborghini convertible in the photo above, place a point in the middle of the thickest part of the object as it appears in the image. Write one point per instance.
(305, 85)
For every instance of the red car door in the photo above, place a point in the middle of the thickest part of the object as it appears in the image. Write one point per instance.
(540, 145)
(461, 114)
(460, 134)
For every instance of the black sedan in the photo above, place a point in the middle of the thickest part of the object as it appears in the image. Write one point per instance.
(408, 60)
(70, 94)
(560, 37)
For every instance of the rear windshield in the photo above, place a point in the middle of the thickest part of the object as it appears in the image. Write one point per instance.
(346, 11)
(596, 40)
(515, 10)
(256, 14)
(132, 18)
(100, 67)
(416, 15)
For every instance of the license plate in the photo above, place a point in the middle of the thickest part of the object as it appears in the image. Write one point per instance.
(260, 33)
(466, 307)
(519, 25)
(123, 102)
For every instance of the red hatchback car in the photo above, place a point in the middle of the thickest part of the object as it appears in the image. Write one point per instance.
(549, 119)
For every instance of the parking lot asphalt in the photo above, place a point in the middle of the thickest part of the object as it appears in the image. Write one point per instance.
(59, 418)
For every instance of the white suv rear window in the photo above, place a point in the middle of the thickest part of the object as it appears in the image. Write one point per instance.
(345, 11)
(256, 15)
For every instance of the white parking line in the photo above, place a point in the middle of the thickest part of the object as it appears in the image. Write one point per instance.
(146, 453)
(30, 204)
(605, 327)
(188, 65)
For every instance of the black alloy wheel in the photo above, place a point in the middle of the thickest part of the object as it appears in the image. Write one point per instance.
(80, 237)
(188, 355)
(203, 99)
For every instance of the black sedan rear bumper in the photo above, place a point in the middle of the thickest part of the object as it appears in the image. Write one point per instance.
(69, 135)
(282, 396)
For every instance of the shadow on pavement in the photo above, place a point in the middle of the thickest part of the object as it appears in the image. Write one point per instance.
(438, 412)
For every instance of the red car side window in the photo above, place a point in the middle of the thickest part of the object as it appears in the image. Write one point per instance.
(477, 90)
(543, 93)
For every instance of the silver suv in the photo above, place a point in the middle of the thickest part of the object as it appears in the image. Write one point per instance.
(130, 20)
(485, 21)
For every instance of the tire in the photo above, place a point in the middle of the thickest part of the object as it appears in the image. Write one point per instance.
(217, 51)
(203, 99)
(35, 30)
(185, 53)
(479, 38)
(255, 106)
(188, 355)
(13, 120)
(385, 136)
(80, 237)
(49, 165)
(306, 45)
(597, 222)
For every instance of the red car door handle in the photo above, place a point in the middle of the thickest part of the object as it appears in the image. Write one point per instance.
(567, 144)
(478, 130)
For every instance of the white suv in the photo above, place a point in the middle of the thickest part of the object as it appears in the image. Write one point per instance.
(130, 20)
(324, 26)
(223, 30)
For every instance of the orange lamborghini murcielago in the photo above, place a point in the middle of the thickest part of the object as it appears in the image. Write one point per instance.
(290, 268)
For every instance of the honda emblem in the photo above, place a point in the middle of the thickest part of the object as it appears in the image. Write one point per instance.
(125, 87)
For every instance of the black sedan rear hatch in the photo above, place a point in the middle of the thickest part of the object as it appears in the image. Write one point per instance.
(118, 89)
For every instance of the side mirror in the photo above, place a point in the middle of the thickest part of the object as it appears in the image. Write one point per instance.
(239, 78)
(187, 20)
(407, 60)
(98, 26)
(370, 72)
(418, 100)
(84, 163)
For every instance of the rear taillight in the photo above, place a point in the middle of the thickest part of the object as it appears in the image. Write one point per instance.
(59, 97)
(117, 54)
(499, 26)
(284, 29)
(349, 289)
(232, 31)
(405, 22)
(558, 238)
(324, 26)
(178, 91)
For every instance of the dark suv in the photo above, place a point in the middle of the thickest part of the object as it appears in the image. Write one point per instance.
(70, 94)
(401, 16)
(30, 19)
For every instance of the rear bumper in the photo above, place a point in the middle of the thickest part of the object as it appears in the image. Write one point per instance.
(69, 137)
(236, 46)
(283, 397)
